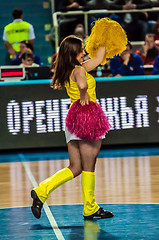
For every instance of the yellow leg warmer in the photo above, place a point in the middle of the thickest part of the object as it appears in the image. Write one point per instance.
(88, 186)
(53, 182)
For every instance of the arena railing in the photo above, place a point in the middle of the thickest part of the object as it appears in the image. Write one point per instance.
(52, 3)
(56, 15)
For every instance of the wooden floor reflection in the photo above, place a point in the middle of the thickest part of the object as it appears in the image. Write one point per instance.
(118, 180)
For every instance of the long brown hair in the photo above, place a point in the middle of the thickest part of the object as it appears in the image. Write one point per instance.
(66, 60)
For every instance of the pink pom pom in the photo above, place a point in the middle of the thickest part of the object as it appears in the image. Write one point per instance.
(88, 121)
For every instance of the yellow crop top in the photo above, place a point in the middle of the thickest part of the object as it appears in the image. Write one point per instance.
(74, 93)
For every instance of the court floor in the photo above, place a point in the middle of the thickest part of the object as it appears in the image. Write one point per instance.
(127, 183)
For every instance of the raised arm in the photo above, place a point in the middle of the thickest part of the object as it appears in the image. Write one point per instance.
(94, 62)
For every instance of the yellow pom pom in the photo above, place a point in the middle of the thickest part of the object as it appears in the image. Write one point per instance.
(108, 33)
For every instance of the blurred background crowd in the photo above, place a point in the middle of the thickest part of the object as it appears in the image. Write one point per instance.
(28, 37)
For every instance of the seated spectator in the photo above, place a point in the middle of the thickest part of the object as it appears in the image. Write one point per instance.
(74, 5)
(25, 46)
(156, 32)
(68, 23)
(127, 64)
(153, 16)
(149, 51)
(99, 5)
(79, 31)
(27, 59)
(96, 4)
(156, 66)
(135, 24)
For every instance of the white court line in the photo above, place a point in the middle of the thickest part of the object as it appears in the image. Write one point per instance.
(46, 207)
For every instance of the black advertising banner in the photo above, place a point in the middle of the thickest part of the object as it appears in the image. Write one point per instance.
(32, 115)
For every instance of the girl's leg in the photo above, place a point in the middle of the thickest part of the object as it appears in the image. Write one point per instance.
(74, 158)
(41, 193)
(89, 151)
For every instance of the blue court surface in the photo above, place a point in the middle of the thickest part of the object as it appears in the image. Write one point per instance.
(130, 222)
(65, 222)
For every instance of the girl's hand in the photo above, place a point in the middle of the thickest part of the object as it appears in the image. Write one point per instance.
(85, 100)
(96, 61)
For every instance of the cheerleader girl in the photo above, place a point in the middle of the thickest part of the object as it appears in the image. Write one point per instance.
(86, 124)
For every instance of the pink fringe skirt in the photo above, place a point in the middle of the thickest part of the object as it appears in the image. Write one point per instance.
(87, 122)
